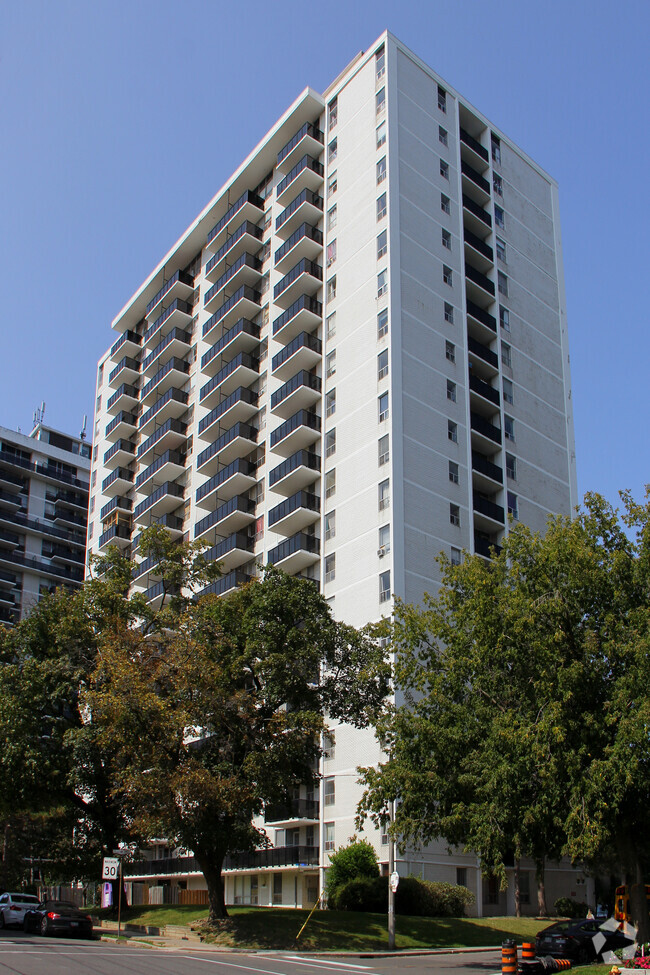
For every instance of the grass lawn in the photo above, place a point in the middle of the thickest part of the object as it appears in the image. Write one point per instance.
(267, 927)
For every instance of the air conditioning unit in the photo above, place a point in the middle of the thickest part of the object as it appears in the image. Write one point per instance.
(381, 551)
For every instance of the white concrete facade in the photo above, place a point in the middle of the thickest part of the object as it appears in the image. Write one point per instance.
(355, 358)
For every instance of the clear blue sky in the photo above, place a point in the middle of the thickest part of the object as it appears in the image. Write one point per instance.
(119, 121)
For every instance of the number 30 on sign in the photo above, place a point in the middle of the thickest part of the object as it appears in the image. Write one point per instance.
(110, 868)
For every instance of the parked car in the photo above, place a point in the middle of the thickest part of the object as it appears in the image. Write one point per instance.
(13, 907)
(58, 917)
(574, 940)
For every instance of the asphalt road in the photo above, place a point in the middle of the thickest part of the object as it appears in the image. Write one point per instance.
(22, 954)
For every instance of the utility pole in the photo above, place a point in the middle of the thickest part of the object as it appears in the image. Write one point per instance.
(393, 878)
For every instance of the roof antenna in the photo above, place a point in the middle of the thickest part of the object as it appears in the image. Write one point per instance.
(82, 435)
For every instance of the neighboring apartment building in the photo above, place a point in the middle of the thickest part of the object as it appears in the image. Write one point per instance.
(355, 358)
(44, 483)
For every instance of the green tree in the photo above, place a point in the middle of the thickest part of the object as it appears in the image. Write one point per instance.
(210, 721)
(352, 862)
(522, 720)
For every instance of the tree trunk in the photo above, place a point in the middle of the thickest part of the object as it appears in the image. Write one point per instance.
(639, 904)
(211, 870)
(541, 889)
(517, 890)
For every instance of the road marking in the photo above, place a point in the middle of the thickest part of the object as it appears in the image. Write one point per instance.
(301, 960)
(249, 968)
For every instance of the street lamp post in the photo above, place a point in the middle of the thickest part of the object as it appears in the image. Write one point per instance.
(393, 878)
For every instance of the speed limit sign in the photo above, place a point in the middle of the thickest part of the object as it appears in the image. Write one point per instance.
(110, 868)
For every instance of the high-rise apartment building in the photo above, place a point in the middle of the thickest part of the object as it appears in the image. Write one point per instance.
(43, 511)
(354, 358)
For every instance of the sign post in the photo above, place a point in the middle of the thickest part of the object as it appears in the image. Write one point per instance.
(112, 870)
(393, 881)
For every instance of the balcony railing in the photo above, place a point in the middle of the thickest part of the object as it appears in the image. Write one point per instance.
(296, 809)
(488, 508)
(307, 196)
(304, 302)
(302, 378)
(474, 144)
(177, 305)
(297, 543)
(115, 531)
(172, 394)
(480, 279)
(244, 260)
(478, 244)
(242, 359)
(302, 499)
(302, 458)
(174, 364)
(485, 466)
(302, 341)
(306, 129)
(119, 474)
(482, 351)
(483, 546)
(125, 390)
(169, 426)
(302, 267)
(481, 315)
(128, 336)
(302, 418)
(42, 527)
(237, 466)
(477, 210)
(245, 228)
(238, 541)
(240, 395)
(168, 488)
(307, 162)
(226, 583)
(242, 327)
(176, 335)
(118, 502)
(122, 417)
(475, 176)
(46, 470)
(169, 457)
(179, 276)
(247, 197)
(484, 389)
(229, 303)
(126, 363)
(304, 230)
(240, 429)
(238, 503)
(120, 446)
(484, 427)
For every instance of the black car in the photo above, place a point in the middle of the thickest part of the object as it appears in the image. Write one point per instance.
(58, 917)
(575, 940)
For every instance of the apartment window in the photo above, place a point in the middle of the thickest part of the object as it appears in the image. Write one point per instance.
(381, 170)
(509, 428)
(453, 472)
(452, 431)
(93, 479)
(380, 101)
(444, 169)
(382, 323)
(508, 391)
(330, 442)
(333, 113)
(332, 150)
(513, 507)
(443, 136)
(502, 283)
(277, 888)
(447, 275)
(331, 253)
(445, 203)
(332, 217)
(332, 184)
(329, 790)
(382, 244)
(330, 526)
(381, 206)
(384, 450)
(504, 319)
(497, 183)
(380, 63)
(95, 451)
(492, 891)
(501, 250)
(331, 288)
(442, 99)
(384, 540)
(506, 354)
(330, 567)
(496, 148)
(329, 837)
(446, 239)
(451, 391)
(499, 216)
(382, 364)
(330, 363)
(454, 515)
(329, 748)
(331, 325)
(384, 586)
(449, 313)
(455, 556)
(261, 419)
(524, 887)
(450, 351)
(330, 483)
(461, 876)
(382, 283)
(383, 407)
(381, 134)
(384, 494)
(330, 402)
(511, 467)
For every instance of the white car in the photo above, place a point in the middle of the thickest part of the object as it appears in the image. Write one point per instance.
(13, 907)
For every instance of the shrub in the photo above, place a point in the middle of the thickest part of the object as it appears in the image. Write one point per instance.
(566, 907)
(415, 897)
(362, 894)
(350, 863)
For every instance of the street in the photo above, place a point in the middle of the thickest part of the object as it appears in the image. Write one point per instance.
(22, 954)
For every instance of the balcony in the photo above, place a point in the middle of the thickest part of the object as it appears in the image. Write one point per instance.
(486, 545)
(484, 432)
(226, 583)
(232, 552)
(40, 527)
(118, 481)
(168, 466)
(476, 248)
(172, 433)
(300, 430)
(485, 472)
(474, 277)
(125, 396)
(122, 451)
(479, 185)
(475, 217)
(172, 404)
(119, 535)
(235, 478)
(307, 207)
(238, 441)
(249, 206)
(478, 151)
(126, 370)
(484, 389)
(116, 504)
(302, 353)
(177, 314)
(307, 173)
(246, 270)
(12, 500)
(295, 513)
(173, 373)
(247, 237)
(486, 510)
(296, 554)
(305, 278)
(242, 404)
(245, 303)
(478, 316)
(300, 392)
(302, 810)
(228, 518)
(175, 343)
(124, 423)
(129, 343)
(181, 284)
(242, 337)
(308, 138)
(164, 499)
(172, 523)
(241, 371)
(305, 314)
(37, 564)
(306, 241)
(481, 357)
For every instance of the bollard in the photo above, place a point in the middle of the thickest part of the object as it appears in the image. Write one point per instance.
(527, 951)
(509, 958)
